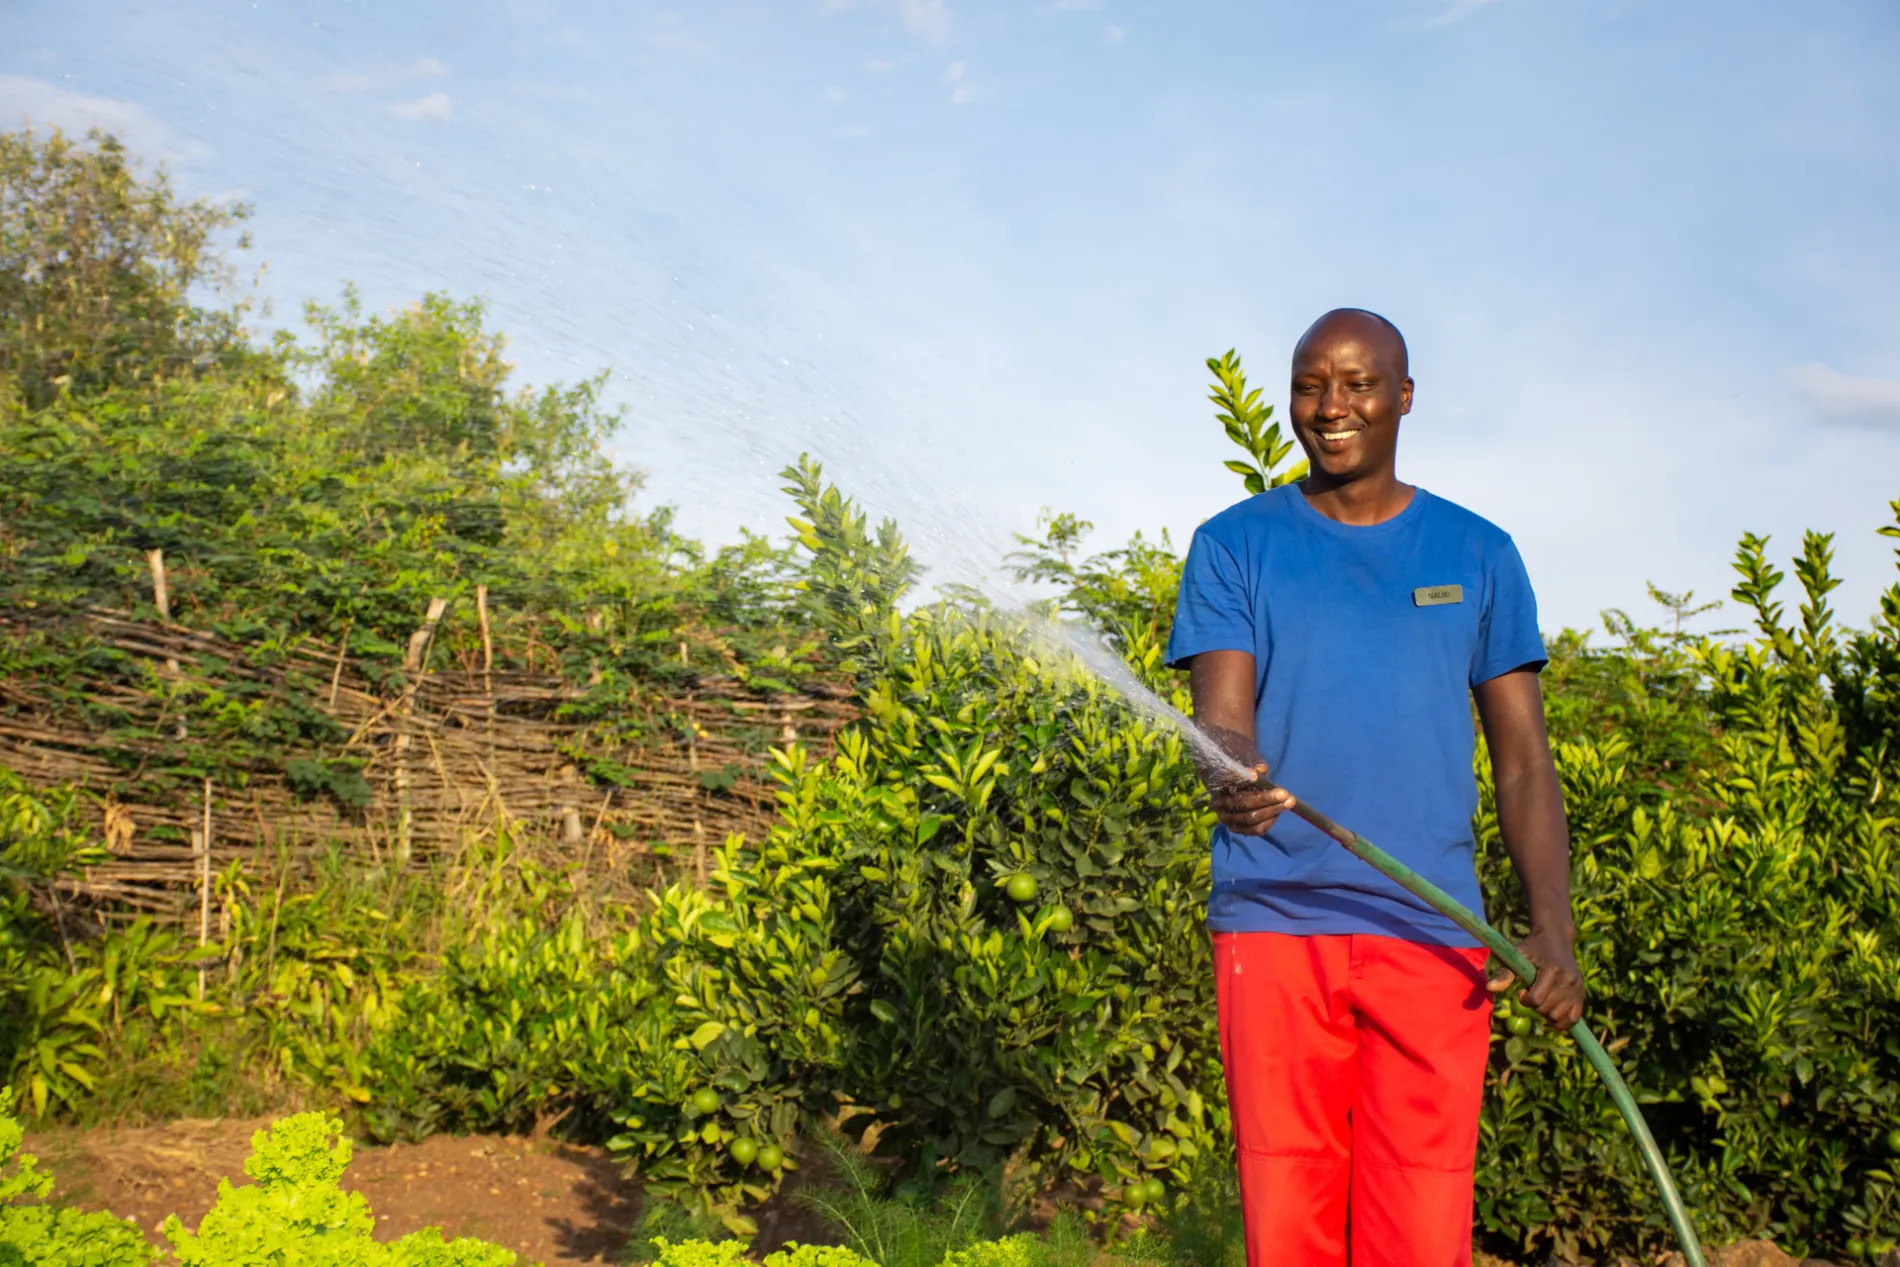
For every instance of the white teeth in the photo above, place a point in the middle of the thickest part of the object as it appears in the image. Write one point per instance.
(1334, 435)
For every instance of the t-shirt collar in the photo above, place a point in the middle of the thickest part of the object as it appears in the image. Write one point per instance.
(1411, 512)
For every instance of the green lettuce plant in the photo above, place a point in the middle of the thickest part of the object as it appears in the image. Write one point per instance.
(295, 1211)
(34, 1231)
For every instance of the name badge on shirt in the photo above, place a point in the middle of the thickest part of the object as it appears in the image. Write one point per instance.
(1437, 595)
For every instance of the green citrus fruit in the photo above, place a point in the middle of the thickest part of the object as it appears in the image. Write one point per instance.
(1153, 1190)
(1021, 887)
(1061, 920)
(1519, 1024)
(1135, 1195)
(706, 1100)
(1893, 1140)
(770, 1158)
(744, 1151)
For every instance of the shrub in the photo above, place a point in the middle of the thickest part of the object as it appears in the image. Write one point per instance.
(1066, 1030)
(1740, 963)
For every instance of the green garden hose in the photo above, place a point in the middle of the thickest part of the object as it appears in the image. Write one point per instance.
(1526, 971)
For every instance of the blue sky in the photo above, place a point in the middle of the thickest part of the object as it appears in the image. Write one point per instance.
(973, 254)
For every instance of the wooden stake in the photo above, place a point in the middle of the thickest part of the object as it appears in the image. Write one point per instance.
(419, 640)
(162, 599)
(414, 664)
(204, 887)
(161, 592)
(488, 647)
(342, 650)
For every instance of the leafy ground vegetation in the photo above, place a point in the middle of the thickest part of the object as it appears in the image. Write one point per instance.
(970, 947)
(296, 1210)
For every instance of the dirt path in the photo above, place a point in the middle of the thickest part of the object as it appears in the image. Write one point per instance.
(551, 1202)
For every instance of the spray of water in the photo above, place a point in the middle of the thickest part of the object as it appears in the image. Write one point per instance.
(1091, 655)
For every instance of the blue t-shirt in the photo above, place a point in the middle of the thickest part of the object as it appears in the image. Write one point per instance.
(1365, 657)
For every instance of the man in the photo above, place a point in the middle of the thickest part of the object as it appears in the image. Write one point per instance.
(1336, 631)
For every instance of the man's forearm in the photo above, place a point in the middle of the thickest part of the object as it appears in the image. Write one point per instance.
(1531, 819)
(1222, 683)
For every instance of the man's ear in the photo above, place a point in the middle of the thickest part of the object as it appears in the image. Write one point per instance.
(1405, 397)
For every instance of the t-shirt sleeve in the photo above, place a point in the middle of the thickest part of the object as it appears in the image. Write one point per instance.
(1211, 610)
(1507, 633)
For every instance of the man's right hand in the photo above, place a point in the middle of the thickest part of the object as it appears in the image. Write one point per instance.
(1247, 808)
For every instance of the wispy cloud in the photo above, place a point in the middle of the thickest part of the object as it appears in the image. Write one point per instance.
(1847, 399)
(929, 19)
(956, 74)
(670, 34)
(1458, 11)
(354, 81)
(1113, 34)
(878, 63)
(434, 108)
(24, 100)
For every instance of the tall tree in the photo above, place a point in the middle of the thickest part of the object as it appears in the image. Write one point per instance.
(97, 270)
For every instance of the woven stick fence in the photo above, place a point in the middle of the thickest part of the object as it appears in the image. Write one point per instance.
(447, 753)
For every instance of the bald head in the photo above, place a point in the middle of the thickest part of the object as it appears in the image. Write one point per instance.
(1363, 324)
(1350, 387)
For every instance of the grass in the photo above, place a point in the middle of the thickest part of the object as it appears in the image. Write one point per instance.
(918, 1221)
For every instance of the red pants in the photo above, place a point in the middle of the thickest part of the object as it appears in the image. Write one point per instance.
(1355, 1066)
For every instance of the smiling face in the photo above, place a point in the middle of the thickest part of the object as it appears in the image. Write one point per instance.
(1349, 390)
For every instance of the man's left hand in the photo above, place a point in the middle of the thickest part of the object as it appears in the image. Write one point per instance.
(1557, 994)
